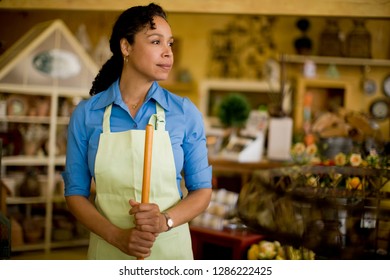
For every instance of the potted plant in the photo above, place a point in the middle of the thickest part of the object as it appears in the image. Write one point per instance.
(233, 111)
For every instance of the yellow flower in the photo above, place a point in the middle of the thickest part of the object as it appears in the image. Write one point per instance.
(312, 149)
(298, 149)
(340, 159)
(336, 176)
(267, 250)
(354, 184)
(355, 159)
(307, 254)
(312, 181)
(280, 252)
(253, 252)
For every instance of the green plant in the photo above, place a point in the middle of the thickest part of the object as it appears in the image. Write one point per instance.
(234, 109)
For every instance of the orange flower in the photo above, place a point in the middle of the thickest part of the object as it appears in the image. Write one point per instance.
(354, 184)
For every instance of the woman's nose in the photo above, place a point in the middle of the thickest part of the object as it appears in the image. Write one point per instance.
(168, 51)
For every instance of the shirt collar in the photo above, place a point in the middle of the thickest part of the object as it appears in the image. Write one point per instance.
(113, 95)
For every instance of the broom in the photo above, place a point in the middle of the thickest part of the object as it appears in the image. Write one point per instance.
(147, 165)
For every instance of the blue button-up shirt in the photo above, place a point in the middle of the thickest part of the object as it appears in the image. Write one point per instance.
(183, 122)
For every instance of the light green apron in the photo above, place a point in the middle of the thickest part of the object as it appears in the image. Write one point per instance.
(118, 177)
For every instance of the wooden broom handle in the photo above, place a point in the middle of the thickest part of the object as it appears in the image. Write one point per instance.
(147, 165)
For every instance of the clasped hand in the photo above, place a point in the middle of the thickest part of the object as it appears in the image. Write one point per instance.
(147, 217)
(148, 224)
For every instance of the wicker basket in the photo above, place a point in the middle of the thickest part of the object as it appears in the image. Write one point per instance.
(310, 206)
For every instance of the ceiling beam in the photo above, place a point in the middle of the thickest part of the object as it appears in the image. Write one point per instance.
(336, 8)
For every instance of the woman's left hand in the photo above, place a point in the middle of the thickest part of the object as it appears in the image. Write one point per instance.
(147, 217)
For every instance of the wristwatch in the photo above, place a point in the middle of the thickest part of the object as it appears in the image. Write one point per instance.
(168, 220)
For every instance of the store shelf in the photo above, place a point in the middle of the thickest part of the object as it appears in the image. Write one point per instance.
(42, 90)
(25, 160)
(26, 200)
(25, 119)
(60, 160)
(292, 58)
(324, 92)
(28, 247)
(62, 120)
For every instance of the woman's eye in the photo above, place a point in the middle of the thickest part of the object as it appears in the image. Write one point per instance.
(156, 42)
(171, 44)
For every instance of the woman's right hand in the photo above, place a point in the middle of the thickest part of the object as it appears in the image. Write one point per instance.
(134, 242)
(130, 241)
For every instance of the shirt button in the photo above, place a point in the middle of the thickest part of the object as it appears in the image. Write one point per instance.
(135, 125)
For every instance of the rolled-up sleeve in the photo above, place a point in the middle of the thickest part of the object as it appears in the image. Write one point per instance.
(199, 180)
(77, 177)
(197, 171)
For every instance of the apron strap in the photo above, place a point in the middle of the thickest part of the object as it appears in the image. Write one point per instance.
(158, 119)
(106, 119)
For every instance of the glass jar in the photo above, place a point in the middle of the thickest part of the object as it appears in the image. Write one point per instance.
(359, 41)
(330, 42)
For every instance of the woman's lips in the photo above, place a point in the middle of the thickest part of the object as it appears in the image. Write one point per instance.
(165, 66)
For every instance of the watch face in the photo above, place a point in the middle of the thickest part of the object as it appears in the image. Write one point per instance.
(386, 86)
(169, 220)
(379, 109)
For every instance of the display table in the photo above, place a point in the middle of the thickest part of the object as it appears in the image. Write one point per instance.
(237, 173)
(222, 244)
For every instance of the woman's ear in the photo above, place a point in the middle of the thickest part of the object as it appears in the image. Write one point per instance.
(125, 47)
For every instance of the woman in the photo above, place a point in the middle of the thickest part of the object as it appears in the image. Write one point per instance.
(105, 143)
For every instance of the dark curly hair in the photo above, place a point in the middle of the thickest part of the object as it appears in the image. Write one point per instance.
(129, 23)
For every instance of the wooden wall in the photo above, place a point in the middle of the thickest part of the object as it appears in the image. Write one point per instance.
(192, 29)
(352, 8)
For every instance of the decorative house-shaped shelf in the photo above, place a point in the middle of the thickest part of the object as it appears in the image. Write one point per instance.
(42, 77)
(37, 61)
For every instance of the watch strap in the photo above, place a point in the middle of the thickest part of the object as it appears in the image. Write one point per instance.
(169, 221)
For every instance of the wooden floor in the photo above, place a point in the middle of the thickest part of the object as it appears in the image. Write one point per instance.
(77, 253)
